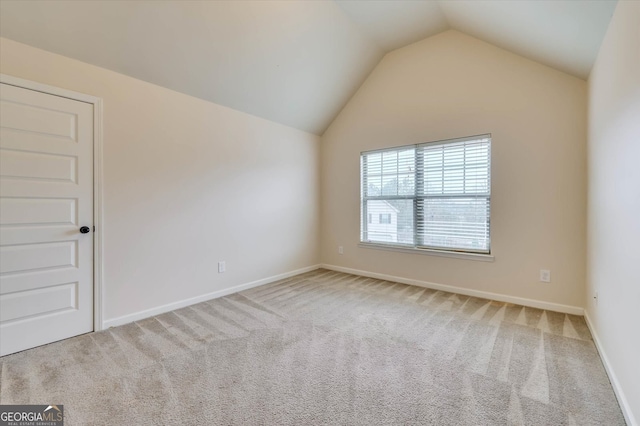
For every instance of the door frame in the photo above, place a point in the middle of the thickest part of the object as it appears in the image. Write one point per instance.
(98, 241)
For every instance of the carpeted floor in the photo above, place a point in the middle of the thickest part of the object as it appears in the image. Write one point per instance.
(325, 348)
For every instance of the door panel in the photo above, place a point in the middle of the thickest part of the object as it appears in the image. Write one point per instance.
(46, 195)
(38, 301)
(41, 211)
(44, 167)
(34, 119)
(30, 257)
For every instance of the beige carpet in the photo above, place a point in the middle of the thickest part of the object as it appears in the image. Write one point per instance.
(325, 348)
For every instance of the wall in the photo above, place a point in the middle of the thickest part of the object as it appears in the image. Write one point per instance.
(452, 85)
(188, 183)
(614, 202)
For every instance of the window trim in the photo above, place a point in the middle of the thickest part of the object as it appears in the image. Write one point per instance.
(481, 257)
(484, 255)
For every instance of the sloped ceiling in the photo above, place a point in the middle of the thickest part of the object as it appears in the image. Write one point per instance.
(396, 23)
(293, 62)
(563, 34)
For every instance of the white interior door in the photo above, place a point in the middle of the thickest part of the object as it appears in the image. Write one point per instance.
(46, 196)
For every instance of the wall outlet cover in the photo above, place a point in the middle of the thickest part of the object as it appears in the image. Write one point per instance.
(545, 275)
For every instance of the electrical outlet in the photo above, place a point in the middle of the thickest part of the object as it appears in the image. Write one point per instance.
(340, 250)
(222, 266)
(545, 275)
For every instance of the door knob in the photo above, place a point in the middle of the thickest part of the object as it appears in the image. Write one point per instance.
(84, 230)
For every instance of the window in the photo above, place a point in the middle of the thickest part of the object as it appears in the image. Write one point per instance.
(434, 195)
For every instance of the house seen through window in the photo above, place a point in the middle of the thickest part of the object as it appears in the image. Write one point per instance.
(433, 195)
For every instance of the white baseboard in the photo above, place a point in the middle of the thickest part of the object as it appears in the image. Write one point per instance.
(622, 400)
(125, 319)
(557, 307)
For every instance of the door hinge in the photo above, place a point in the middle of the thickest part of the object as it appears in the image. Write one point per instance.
(94, 228)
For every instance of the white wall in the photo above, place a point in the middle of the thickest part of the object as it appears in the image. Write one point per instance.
(614, 202)
(181, 179)
(452, 85)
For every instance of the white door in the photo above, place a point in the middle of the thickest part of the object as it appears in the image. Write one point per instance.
(46, 196)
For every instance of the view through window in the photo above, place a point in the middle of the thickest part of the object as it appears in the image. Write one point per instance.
(434, 195)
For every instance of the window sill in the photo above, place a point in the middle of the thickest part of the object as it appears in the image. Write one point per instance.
(441, 253)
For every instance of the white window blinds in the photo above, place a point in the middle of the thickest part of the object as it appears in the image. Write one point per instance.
(433, 195)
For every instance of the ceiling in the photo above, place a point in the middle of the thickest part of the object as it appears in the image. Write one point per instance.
(293, 62)
(563, 34)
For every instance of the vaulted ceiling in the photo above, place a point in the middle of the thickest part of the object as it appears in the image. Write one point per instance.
(293, 62)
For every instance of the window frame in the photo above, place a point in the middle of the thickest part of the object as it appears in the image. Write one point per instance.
(418, 194)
